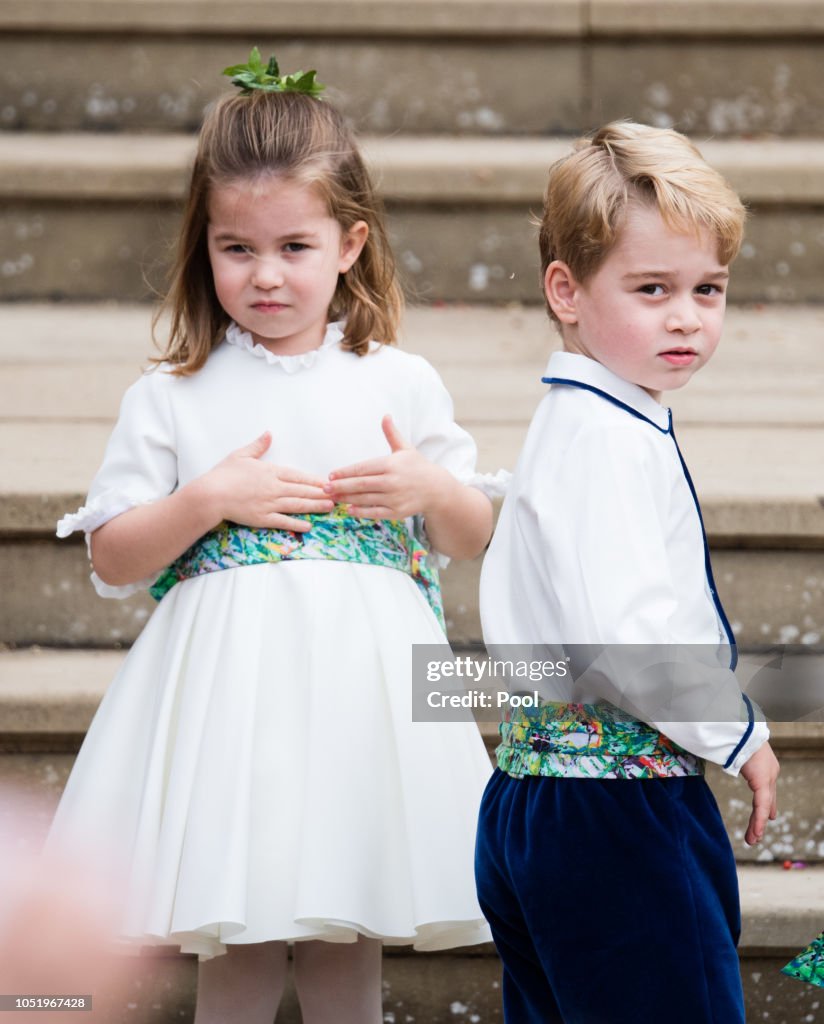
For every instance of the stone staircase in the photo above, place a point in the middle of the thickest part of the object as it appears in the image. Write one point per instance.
(463, 103)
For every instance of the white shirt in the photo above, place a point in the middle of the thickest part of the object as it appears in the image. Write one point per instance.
(600, 542)
(323, 408)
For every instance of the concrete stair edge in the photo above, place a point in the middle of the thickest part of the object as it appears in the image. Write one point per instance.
(560, 18)
(426, 169)
(49, 696)
(56, 417)
(794, 522)
(55, 692)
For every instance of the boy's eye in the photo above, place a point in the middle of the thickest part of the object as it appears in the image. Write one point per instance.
(652, 289)
(710, 289)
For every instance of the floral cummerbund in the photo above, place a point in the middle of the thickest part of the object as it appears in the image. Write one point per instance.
(588, 741)
(336, 536)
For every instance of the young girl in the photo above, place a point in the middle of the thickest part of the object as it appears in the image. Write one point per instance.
(254, 769)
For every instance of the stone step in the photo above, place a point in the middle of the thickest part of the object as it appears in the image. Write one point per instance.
(433, 66)
(464, 986)
(91, 216)
(48, 698)
(751, 426)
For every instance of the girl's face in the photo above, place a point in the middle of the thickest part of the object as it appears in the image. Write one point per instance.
(276, 254)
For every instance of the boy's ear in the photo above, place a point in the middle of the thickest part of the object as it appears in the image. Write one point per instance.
(560, 288)
(352, 244)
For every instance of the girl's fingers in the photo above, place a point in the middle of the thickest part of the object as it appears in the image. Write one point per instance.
(304, 505)
(304, 491)
(355, 485)
(276, 521)
(371, 467)
(295, 476)
(372, 512)
(366, 498)
(396, 442)
(255, 448)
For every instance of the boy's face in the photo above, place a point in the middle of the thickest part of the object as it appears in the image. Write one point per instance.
(653, 311)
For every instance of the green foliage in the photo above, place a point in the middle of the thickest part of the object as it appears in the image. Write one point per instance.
(267, 77)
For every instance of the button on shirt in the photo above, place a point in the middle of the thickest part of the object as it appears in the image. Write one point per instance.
(600, 542)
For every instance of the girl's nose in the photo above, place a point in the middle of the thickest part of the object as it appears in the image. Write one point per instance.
(267, 274)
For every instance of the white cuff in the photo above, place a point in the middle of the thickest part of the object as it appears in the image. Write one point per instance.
(90, 517)
(757, 738)
(493, 485)
(99, 511)
(106, 590)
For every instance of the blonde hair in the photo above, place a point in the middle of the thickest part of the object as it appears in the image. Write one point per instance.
(297, 138)
(589, 191)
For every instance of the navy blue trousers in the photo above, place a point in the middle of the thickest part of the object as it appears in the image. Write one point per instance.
(611, 901)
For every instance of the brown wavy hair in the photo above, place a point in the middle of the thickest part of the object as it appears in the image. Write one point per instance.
(297, 138)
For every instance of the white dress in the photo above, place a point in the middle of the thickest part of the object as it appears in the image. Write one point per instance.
(253, 772)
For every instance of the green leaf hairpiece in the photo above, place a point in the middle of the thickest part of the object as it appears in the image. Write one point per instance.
(267, 77)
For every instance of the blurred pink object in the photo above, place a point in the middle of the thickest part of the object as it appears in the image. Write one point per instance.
(56, 924)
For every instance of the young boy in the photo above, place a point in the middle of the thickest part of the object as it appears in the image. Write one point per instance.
(602, 861)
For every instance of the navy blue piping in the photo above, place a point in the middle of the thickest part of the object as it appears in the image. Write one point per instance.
(747, 732)
(725, 622)
(610, 398)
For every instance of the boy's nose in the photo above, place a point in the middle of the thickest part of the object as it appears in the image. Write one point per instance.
(267, 274)
(683, 318)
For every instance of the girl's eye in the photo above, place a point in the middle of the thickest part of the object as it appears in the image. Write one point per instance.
(652, 289)
(237, 247)
(295, 246)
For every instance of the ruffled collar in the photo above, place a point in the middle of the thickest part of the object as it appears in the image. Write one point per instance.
(289, 364)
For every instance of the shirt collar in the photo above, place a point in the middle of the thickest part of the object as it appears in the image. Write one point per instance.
(581, 370)
(236, 336)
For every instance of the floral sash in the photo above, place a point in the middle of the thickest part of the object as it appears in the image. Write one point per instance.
(335, 536)
(588, 741)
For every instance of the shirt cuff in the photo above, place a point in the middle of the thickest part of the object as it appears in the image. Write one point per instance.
(755, 735)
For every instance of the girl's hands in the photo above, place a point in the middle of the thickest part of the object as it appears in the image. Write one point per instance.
(253, 493)
(395, 486)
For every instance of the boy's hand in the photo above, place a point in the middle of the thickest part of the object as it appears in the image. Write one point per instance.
(394, 486)
(253, 493)
(761, 773)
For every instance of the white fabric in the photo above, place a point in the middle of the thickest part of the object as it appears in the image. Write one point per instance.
(173, 429)
(253, 769)
(289, 364)
(493, 485)
(599, 542)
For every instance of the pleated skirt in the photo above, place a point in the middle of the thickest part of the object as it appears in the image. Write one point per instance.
(254, 773)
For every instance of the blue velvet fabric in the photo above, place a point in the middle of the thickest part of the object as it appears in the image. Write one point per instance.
(610, 901)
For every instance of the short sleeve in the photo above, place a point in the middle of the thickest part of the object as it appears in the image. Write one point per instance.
(139, 466)
(439, 438)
